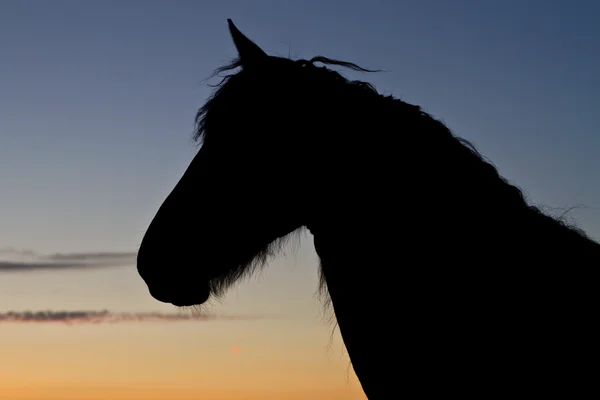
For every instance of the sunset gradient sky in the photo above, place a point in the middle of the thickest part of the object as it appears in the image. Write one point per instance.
(97, 100)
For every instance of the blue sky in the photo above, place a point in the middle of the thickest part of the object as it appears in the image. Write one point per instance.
(97, 99)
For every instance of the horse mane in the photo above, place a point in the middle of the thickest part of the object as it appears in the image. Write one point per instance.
(461, 150)
(326, 74)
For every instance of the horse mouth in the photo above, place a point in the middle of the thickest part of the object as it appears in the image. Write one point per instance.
(179, 297)
(186, 303)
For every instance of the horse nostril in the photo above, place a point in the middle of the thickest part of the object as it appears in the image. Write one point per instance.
(149, 268)
(168, 284)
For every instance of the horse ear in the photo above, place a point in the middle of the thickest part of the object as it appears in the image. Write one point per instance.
(249, 53)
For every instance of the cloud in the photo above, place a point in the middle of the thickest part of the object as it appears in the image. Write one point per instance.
(109, 317)
(14, 260)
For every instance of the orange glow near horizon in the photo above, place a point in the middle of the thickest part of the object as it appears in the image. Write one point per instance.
(157, 361)
(270, 338)
(81, 392)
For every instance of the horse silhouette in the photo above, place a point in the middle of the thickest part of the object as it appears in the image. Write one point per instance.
(443, 279)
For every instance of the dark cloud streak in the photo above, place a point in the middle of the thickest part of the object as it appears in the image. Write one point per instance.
(12, 260)
(101, 256)
(108, 317)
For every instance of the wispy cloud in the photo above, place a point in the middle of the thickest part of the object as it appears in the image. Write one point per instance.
(14, 260)
(109, 317)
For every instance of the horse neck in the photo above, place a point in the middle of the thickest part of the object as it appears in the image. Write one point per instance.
(428, 311)
(388, 259)
(354, 260)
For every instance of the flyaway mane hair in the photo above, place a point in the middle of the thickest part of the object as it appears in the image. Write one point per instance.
(462, 152)
(323, 74)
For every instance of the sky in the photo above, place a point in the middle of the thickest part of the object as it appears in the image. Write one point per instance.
(97, 101)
